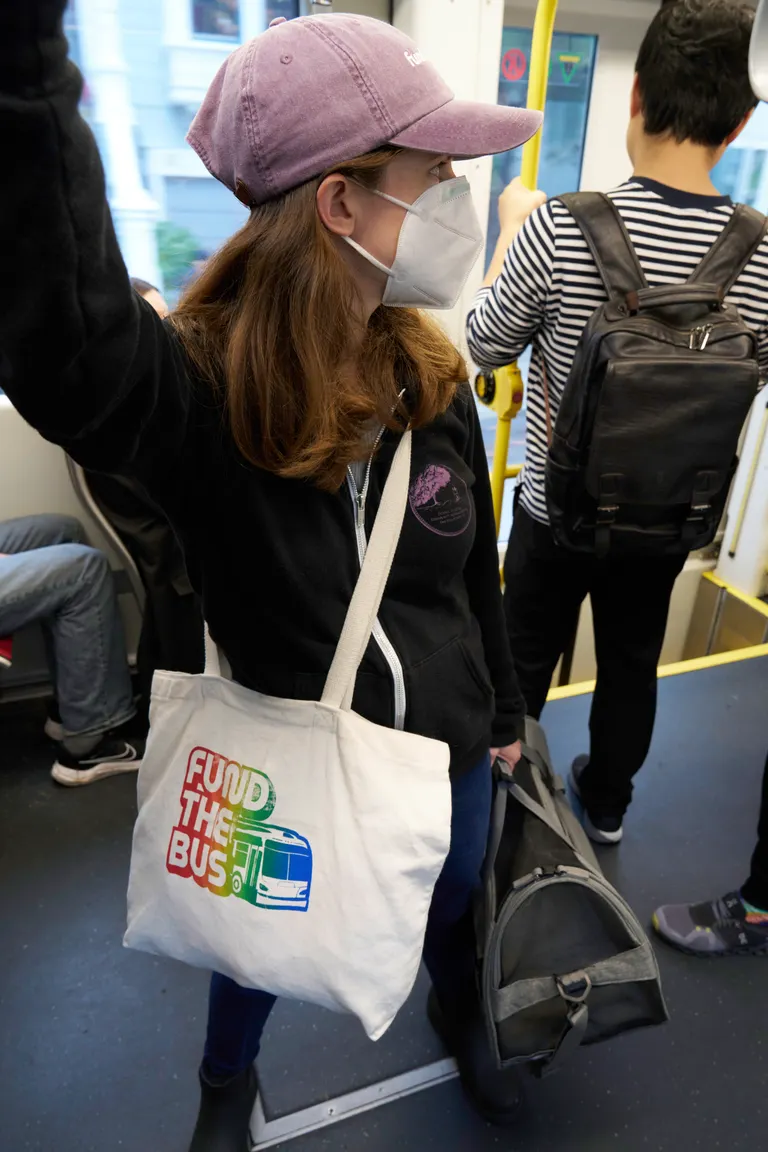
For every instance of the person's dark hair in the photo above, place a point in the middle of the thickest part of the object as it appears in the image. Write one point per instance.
(693, 70)
(143, 287)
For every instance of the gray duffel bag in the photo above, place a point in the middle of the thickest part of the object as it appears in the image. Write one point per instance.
(564, 960)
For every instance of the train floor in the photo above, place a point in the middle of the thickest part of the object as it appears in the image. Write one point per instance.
(99, 1046)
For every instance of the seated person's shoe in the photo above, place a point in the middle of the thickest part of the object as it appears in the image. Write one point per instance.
(110, 757)
(6, 651)
(726, 927)
(54, 729)
(497, 1096)
(225, 1113)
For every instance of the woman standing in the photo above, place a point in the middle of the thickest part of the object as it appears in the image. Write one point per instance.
(264, 414)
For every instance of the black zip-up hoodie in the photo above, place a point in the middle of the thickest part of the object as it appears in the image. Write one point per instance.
(90, 365)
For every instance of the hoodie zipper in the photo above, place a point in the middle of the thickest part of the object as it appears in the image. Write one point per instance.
(387, 648)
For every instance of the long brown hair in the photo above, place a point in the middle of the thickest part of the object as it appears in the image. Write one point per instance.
(271, 321)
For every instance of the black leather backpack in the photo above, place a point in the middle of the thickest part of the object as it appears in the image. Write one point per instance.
(644, 446)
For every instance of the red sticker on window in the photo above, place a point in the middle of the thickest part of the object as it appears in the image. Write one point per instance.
(514, 64)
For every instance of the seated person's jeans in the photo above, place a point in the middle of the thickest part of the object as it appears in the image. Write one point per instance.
(49, 576)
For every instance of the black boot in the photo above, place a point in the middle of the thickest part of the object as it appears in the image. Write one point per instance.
(225, 1112)
(496, 1095)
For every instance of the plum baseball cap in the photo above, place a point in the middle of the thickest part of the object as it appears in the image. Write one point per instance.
(313, 92)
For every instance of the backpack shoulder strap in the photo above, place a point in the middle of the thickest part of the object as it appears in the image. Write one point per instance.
(733, 249)
(608, 241)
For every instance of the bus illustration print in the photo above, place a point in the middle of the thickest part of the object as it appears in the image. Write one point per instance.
(223, 841)
(270, 867)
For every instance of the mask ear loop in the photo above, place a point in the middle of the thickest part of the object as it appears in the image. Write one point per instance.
(393, 200)
(364, 251)
(384, 195)
(367, 256)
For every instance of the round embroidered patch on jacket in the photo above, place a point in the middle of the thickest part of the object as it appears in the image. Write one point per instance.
(440, 500)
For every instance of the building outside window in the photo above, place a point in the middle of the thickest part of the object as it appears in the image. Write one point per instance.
(216, 18)
(147, 65)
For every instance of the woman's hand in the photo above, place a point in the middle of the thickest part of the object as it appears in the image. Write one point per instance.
(510, 755)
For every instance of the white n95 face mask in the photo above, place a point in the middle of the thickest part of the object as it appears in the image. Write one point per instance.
(440, 241)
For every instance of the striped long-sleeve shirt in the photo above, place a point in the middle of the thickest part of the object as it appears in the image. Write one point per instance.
(549, 287)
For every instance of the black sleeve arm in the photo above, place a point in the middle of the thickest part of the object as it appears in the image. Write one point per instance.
(484, 589)
(82, 357)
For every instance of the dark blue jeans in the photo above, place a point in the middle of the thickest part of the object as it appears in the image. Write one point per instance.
(237, 1016)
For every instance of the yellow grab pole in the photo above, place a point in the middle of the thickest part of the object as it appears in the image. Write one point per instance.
(507, 384)
(538, 77)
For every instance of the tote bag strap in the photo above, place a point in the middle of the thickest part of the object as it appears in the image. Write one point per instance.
(216, 663)
(366, 600)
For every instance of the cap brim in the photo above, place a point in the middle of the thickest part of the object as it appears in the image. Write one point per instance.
(465, 129)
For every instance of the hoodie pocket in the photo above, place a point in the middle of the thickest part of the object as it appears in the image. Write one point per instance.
(450, 697)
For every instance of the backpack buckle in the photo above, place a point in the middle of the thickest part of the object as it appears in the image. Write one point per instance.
(606, 516)
(699, 511)
(607, 511)
(697, 516)
(701, 507)
(575, 987)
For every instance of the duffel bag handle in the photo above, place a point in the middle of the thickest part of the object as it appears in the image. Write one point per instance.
(540, 813)
(534, 757)
(503, 771)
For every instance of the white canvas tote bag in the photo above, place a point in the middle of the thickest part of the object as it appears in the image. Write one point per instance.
(293, 845)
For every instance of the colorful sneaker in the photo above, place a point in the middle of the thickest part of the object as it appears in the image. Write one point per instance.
(719, 928)
(600, 829)
(110, 757)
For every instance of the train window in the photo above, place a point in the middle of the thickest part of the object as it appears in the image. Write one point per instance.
(742, 173)
(146, 69)
(571, 70)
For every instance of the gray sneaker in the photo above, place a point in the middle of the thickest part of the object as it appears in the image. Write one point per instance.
(719, 928)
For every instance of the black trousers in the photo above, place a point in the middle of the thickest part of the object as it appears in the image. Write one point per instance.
(545, 587)
(756, 888)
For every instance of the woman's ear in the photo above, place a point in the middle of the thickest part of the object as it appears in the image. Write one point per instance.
(336, 204)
